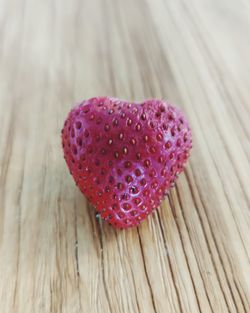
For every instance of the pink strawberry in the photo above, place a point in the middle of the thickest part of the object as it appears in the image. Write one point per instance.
(125, 156)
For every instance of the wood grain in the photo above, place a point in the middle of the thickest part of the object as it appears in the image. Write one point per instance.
(193, 254)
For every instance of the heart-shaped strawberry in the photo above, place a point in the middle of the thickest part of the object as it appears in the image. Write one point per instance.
(125, 156)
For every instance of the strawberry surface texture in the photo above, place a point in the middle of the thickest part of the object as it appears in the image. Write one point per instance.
(125, 156)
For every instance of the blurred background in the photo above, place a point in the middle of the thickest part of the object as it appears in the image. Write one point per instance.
(191, 255)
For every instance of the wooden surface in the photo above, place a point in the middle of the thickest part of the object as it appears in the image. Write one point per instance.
(193, 254)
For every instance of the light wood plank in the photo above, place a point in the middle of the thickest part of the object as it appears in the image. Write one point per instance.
(193, 253)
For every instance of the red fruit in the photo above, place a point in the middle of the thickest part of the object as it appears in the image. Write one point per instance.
(125, 156)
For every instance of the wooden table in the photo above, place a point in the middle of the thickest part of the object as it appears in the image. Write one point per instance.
(193, 254)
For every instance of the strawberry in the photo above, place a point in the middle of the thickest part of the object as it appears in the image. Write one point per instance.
(125, 156)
